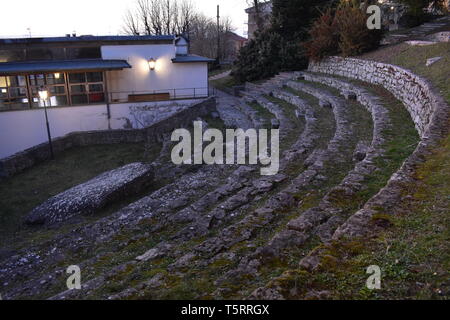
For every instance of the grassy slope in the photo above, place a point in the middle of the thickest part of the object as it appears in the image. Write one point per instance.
(413, 252)
(219, 71)
(224, 84)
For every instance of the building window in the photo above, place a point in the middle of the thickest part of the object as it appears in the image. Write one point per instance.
(87, 87)
(13, 93)
(12, 55)
(22, 92)
(56, 86)
(49, 53)
(83, 53)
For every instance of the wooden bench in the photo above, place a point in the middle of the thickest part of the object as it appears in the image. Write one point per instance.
(149, 97)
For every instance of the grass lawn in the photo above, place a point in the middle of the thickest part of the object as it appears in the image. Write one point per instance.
(219, 71)
(224, 84)
(21, 193)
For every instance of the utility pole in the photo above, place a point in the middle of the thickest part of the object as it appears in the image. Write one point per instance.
(218, 34)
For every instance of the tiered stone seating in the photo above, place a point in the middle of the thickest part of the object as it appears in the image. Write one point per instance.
(218, 229)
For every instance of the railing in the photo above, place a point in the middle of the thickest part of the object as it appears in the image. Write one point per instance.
(124, 97)
(160, 95)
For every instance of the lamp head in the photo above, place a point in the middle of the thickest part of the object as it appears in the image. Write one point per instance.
(152, 64)
(43, 93)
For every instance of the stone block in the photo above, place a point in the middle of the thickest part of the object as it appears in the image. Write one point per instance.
(91, 196)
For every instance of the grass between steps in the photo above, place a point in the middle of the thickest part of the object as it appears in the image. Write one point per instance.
(289, 112)
(412, 253)
(242, 285)
(262, 113)
(325, 117)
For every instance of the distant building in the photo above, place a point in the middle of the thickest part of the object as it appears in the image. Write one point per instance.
(265, 14)
(391, 14)
(233, 43)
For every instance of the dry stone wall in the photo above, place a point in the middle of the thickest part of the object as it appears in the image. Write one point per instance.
(415, 92)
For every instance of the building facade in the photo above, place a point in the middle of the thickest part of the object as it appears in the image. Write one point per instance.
(93, 83)
(265, 14)
(233, 44)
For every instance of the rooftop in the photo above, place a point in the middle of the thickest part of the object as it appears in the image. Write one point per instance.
(26, 67)
(85, 39)
(190, 58)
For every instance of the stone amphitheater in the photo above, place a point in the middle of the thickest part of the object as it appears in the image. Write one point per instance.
(225, 232)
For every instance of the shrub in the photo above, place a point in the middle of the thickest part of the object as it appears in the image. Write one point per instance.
(344, 31)
(354, 36)
(325, 38)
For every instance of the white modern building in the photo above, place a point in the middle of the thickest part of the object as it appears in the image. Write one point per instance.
(92, 83)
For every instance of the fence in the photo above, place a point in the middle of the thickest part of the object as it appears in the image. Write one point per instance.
(160, 95)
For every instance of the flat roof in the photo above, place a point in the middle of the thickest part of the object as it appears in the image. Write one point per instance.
(190, 58)
(84, 41)
(29, 67)
(87, 38)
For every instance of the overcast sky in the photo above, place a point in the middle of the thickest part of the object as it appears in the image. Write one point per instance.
(96, 17)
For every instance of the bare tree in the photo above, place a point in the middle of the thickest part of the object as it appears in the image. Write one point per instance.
(203, 35)
(131, 23)
(157, 17)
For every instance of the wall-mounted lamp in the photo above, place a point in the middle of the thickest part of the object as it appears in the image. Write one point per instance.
(152, 64)
(57, 75)
(4, 90)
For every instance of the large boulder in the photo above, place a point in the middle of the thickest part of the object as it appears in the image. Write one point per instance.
(89, 197)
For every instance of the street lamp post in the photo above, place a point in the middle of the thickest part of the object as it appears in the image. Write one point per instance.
(43, 94)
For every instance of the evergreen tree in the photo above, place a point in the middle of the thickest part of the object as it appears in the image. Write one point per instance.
(279, 47)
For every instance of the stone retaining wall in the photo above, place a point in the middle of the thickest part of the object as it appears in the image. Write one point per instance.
(415, 92)
(20, 161)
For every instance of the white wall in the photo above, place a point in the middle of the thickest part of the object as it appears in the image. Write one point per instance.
(167, 75)
(20, 130)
